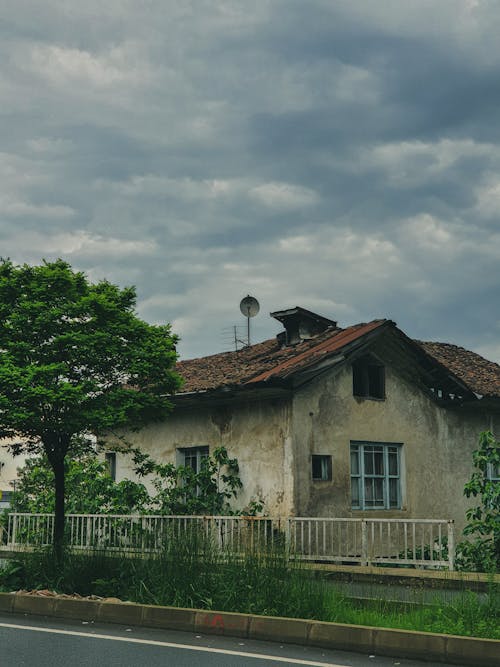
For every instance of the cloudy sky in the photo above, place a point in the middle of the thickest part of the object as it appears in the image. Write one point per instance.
(339, 155)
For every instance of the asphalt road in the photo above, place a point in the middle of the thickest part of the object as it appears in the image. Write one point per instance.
(49, 642)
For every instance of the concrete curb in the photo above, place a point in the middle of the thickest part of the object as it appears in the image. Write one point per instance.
(474, 581)
(357, 638)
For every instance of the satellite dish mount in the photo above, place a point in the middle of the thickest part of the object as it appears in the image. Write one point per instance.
(249, 307)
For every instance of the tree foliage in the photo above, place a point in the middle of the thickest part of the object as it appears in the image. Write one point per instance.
(482, 550)
(91, 490)
(75, 359)
(181, 490)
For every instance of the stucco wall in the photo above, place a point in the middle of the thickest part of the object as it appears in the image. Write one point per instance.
(437, 445)
(273, 441)
(256, 433)
(8, 469)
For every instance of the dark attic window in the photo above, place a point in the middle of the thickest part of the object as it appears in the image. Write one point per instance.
(368, 378)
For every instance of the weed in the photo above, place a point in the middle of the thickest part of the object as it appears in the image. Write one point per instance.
(192, 571)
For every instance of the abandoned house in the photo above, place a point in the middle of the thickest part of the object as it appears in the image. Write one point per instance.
(325, 421)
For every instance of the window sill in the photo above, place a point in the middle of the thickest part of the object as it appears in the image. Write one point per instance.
(382, 510)
(370, 398)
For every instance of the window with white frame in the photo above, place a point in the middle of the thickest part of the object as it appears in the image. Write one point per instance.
(192, 457)
(375, 475)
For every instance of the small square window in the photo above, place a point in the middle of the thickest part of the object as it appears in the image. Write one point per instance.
(321, 466)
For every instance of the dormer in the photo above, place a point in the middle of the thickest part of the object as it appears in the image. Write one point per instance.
(300, 324)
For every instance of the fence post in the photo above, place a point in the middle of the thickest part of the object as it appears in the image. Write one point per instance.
(14, 531)
(288, 536)
(9, 529)
(451, 545)
(364, 542)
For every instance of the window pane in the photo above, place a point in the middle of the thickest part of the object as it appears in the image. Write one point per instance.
(190, 461)
(374, 492)
(359, 380)
(379, 462)
(394, 492)
(111, 463)
(393, 461)
(354, 461)
(376, 381)
(194, 456)
(355, 500)
(368, 460)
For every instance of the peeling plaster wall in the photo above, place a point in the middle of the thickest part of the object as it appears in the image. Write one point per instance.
(273, 441)
(436, 453)
(256, 433)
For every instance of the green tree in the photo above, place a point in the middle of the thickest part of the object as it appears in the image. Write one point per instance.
(483, 551)
(75, 359)
(89, 488)
(181, 490)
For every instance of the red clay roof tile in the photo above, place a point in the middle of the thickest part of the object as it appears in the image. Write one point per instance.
(479, 374)
(266, 360)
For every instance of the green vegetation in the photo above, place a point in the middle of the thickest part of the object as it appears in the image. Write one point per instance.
(181, 490)
(90, 489)
(192, 572)
(75, 360)
(481, 551)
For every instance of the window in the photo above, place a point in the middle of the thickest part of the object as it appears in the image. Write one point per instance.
(375, 475)
(494, 472)
(321, 466)
(192, 457)
(110, 458)
(368, 378)
(5, 498)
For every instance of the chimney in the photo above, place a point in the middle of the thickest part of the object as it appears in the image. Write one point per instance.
(300, 324)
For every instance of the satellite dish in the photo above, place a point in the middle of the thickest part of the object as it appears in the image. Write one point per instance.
(249, 306)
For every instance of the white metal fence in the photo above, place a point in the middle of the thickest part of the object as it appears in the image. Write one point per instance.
(410, 542)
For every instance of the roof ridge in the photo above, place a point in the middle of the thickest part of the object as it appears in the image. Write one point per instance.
(293, 360)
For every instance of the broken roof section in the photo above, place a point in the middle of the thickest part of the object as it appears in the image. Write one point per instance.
(481, 375)
(266, 360)
(277, 362)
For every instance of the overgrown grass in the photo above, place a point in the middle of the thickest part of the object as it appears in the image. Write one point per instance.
(191, 572)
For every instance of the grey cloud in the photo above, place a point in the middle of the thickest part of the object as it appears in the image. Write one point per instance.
(341, 156)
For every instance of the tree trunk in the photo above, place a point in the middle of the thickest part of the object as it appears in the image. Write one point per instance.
(59, 479)
(56, 447)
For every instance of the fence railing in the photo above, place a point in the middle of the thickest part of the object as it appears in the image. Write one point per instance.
(408, 542)
(415, 542)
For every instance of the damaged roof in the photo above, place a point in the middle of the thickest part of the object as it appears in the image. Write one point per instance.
(271, 361)
(479, 374)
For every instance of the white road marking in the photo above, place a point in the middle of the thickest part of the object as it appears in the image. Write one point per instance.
(188, 647)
